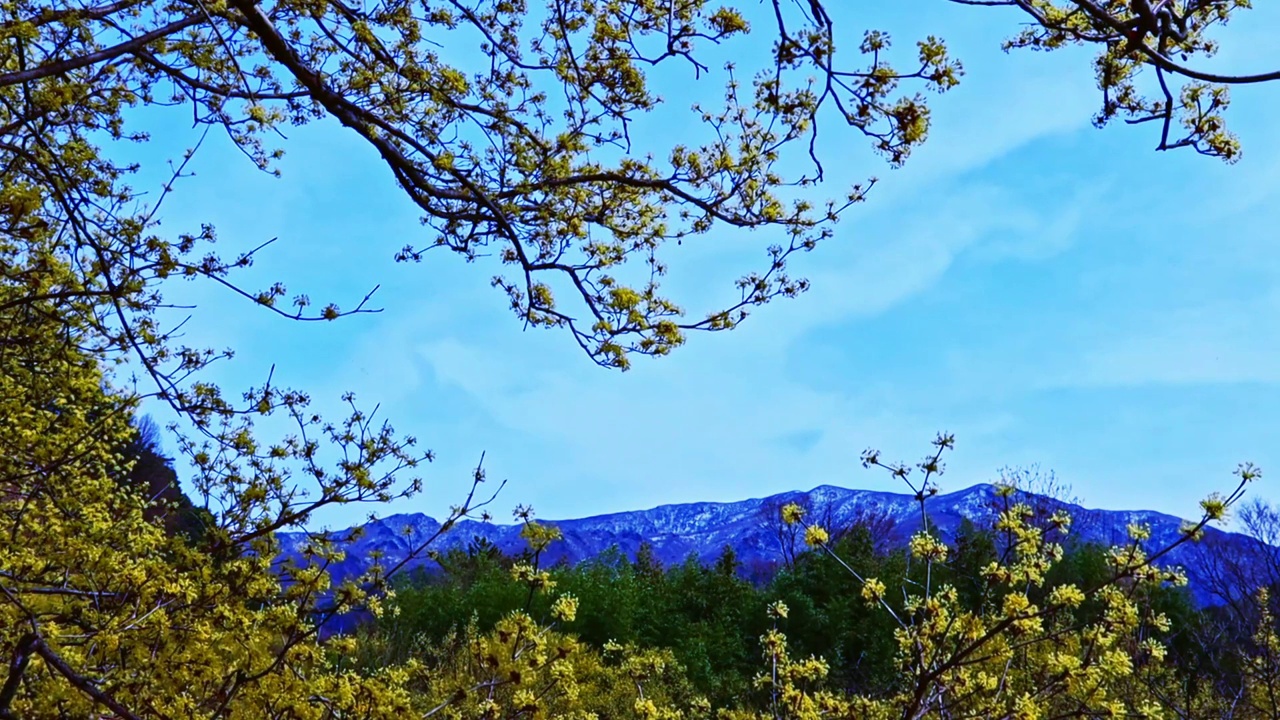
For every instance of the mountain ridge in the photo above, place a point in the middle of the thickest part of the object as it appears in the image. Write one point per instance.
(701, 530)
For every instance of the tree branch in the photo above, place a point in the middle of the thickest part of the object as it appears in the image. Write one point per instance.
(75, 63)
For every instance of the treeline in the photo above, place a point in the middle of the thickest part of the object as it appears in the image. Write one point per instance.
(712, 618)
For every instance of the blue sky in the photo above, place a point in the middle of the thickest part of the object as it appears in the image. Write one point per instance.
(1049, 292)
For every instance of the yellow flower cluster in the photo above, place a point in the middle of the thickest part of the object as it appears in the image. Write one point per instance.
(926, 546)
(815, 536)
(565, 608)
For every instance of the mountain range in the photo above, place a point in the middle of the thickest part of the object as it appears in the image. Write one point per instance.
(750, 528)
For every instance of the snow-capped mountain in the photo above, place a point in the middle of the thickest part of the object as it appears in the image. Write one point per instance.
(703, 530)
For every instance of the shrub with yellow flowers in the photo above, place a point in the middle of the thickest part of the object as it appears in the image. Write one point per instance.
(526, 669)
(1012, 655)
(101, 610)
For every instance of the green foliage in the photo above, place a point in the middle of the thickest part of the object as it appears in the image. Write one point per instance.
(153, 474)
(828, 617)
(699, 613)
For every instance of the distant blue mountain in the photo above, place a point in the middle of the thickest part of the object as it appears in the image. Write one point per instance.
(703, 530)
